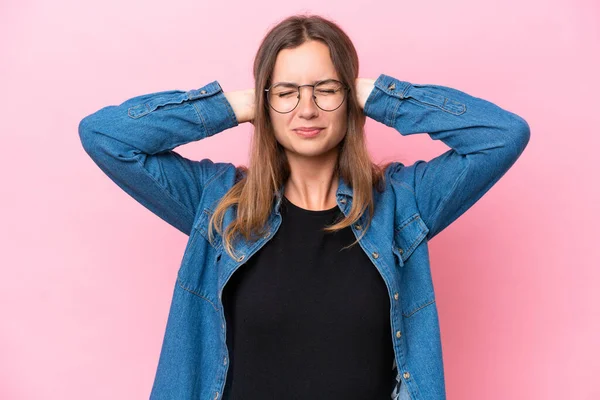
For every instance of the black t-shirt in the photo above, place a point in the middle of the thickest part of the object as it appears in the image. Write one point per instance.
(306, 320)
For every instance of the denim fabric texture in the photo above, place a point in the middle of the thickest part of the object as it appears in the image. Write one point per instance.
(132, 143)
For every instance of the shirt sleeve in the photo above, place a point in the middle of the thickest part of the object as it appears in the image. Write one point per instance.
(484, 139)
(132, 143)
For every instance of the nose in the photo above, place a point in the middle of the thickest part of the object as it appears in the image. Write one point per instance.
(307, 106)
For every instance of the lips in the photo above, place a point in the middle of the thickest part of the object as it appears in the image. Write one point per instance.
(308, 132)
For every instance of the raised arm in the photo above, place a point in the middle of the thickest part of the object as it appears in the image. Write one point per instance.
(484, 139)
(132, 144)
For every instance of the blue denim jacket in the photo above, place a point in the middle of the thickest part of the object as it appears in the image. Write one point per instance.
(132, 143)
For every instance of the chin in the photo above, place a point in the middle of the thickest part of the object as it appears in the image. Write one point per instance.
(311, 149)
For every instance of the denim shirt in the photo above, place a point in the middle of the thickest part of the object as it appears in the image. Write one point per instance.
(132, 144)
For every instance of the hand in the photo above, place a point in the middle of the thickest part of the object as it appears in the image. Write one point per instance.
(364, 87)
(250, 105)
(242, 102)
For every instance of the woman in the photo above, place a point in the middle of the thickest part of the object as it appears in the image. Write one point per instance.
(308, 314)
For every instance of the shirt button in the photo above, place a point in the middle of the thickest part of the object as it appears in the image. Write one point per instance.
(400, 250)
(398, 334)
(406, 375)
(392, 86)
(375, 254)
(357, 226)
(396, 296)
(202, 92)
(343, 201)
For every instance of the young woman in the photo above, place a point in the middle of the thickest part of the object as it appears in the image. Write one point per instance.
(306, 274)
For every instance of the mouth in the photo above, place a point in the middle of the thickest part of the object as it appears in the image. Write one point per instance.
(308, 132)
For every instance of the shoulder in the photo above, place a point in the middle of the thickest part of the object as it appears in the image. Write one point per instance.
(399, 176)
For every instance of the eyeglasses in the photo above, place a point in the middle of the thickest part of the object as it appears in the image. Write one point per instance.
(328, 95)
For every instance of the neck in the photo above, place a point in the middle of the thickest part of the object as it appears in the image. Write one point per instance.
(313, 181)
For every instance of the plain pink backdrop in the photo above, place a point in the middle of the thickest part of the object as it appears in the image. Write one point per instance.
(88, 273)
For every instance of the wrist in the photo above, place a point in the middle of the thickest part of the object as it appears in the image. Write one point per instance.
(242, 103)
(364, 87)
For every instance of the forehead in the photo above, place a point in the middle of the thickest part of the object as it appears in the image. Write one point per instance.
(305, 64)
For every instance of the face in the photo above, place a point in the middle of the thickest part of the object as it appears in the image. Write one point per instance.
(306, 64)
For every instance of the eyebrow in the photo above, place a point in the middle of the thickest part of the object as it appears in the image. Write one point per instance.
(313, 82)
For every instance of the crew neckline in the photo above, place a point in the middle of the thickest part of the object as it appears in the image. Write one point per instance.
(309, 212)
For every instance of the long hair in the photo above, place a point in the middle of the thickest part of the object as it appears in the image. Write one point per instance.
(253, 195)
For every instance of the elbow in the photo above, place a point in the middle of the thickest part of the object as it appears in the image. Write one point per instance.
(520, 135)
(90, 136)
(524, 134)
(85, 134)
(89, 130)
(83, 129)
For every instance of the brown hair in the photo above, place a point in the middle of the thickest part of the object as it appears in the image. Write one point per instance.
(269, 169)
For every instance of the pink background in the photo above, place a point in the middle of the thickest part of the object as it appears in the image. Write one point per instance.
(88, 273)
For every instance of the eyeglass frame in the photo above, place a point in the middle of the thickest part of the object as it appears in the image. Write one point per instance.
(344, 86)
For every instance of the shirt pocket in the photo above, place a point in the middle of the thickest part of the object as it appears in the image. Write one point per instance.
(408, 234)
(197, 273)
(201, 226)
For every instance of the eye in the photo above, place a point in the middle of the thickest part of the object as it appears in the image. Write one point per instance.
(285, 94)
